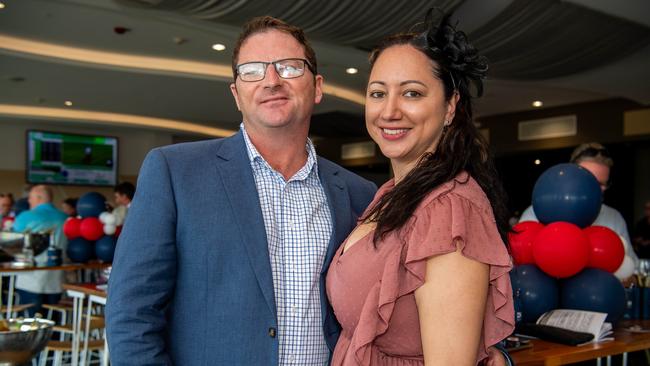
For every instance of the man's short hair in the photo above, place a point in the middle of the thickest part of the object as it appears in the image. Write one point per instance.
(264, 24)
(592, 151)
(125, 188)
(43, 192)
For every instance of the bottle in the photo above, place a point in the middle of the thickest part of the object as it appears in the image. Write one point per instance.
(519, 316)
(28, 251)
(53, 253)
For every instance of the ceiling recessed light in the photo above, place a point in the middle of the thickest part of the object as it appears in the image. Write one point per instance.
(537, 161)
(537, 103)
(218, 47)
(351, 70)
(2, 5)
(68, 103)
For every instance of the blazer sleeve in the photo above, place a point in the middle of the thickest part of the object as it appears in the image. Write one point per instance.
(144, 270)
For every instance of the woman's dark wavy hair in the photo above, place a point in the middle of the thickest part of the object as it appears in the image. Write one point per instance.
(462, 147)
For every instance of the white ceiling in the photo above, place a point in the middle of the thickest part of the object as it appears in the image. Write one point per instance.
(45, 58)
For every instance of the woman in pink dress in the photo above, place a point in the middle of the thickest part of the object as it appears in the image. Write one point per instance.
(423, 279)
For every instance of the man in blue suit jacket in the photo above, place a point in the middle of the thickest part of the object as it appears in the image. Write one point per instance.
(223, 255)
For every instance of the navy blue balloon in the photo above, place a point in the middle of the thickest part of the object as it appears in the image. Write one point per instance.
(594, 290)
(80, 250)
(91, 204)
(534, 291)
(567, 192)
(105, 248)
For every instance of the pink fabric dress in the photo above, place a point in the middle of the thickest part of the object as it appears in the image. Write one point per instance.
(372, 290)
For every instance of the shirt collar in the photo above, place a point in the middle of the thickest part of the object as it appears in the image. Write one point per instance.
(309, 167)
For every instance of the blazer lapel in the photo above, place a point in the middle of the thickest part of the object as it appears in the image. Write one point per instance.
(236, 174)
(339, 202)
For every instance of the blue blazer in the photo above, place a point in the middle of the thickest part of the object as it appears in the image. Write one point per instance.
(191, 282)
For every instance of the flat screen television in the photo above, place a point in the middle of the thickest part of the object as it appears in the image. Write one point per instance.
(63, 158)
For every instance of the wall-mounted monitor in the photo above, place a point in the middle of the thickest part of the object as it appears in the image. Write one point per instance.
(63, 158)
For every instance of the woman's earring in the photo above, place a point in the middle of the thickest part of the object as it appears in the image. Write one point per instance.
(447, 123)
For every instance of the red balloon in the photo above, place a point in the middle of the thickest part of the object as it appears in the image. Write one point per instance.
(561, 249)
(521, 241)
(91, 228)
(606, 249)
(71, 228)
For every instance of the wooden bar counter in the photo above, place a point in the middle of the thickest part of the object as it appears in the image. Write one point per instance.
(552, 354)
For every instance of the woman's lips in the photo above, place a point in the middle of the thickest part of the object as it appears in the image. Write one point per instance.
(393, 133)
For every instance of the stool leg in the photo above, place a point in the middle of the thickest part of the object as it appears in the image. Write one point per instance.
(58, 358)
(43, 359)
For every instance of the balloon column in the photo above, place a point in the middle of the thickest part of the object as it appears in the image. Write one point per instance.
(588, 260)
(90, 235)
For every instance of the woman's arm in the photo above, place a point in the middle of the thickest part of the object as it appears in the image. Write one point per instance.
(451, 306)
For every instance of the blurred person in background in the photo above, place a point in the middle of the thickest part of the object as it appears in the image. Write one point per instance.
(123, 195)
(7, 214)
(41, 287)
(597, 160)
(69, 207)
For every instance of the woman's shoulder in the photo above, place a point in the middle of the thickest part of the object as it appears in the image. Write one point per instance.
(462, 187)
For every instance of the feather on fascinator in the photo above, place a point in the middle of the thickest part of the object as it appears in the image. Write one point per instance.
(457, 55)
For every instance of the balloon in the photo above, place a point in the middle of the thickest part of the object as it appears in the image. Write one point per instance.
(537, 292)
(594, 290)
(606, 251)
(102, 216)
(626, 269)
(109, 229)
(80, 250)
(626, 244)
(91, 228)
(105, 248)
(111, 219)
(91, 204)
(561, 249)
(71, 228)
(521, 241)
(567, 192)
(118, 230)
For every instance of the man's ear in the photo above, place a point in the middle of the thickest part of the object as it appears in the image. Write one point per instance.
(318, 91)
(233, 90)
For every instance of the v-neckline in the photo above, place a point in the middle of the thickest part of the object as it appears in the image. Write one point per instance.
(346, 249)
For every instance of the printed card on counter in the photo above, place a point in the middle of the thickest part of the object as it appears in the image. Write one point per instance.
(579, 321)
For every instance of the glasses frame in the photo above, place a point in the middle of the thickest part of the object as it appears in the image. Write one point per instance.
(275, 66)
(594, 151)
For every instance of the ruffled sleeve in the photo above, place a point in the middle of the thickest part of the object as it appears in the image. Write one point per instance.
(457, 212)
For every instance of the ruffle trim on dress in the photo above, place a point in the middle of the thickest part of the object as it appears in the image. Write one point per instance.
(472, 226)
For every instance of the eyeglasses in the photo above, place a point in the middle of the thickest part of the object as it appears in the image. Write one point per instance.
(288, 68)
(594, 151)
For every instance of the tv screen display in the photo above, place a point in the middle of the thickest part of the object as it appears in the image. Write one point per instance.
(62, 158)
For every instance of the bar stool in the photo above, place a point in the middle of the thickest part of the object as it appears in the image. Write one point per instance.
(12, 308)
(59, 347)
(90, 345)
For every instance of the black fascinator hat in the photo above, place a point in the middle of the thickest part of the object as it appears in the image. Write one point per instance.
(452, 50)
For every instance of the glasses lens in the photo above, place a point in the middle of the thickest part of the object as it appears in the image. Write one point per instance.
(592, 151)
(290, 68)
(252, 71)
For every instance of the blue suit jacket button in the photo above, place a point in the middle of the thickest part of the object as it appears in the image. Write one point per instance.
(272, 332)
